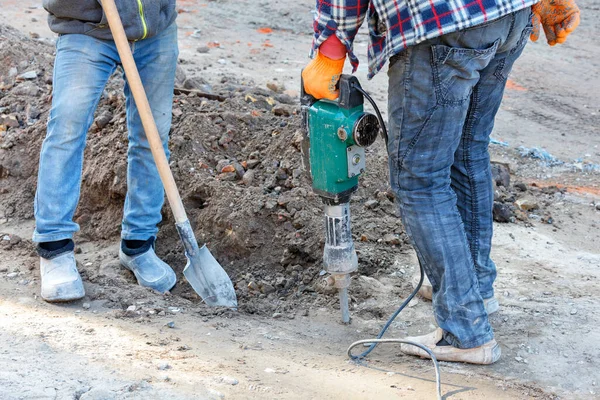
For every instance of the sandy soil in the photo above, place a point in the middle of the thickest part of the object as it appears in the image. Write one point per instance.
(548, 273)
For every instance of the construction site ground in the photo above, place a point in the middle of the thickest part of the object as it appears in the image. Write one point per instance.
(237, 106)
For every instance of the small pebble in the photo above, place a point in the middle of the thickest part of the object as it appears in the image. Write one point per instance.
(170, 324)
(86, 306)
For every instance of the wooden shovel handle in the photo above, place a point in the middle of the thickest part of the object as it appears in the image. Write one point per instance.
(141, 101)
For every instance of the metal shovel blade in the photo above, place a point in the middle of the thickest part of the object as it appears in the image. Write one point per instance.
(204, 273)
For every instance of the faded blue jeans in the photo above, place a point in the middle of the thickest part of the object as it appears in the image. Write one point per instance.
(443, 97)
(81, 70)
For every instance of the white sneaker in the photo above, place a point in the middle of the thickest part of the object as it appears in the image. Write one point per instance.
(60, 278)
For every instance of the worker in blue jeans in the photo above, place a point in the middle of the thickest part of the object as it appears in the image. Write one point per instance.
(448, 66)
(86, 57)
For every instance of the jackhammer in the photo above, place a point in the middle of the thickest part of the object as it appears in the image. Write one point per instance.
(336, 134)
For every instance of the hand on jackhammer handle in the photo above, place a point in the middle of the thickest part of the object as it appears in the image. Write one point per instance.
(322, 74)
(558, 18)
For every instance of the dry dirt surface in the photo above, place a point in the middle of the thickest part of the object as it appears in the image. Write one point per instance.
(235, 154)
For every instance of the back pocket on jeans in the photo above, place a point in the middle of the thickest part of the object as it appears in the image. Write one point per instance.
(456, 71)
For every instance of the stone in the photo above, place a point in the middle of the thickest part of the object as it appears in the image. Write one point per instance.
(391, 239)
(526, 204)
(281, 111)
(98, 394)
(86, 306)
(248, 177)
(203, 49)
(253, 163)
(26, 89)
(501, 174)
(371, 204)
(267, 288)
(521, 187)
(27, 75)
(502, 212)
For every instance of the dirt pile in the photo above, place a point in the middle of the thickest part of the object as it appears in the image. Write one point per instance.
(236, 158)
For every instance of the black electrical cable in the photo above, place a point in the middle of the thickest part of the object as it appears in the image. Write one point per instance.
(379, 117)
(376, 341)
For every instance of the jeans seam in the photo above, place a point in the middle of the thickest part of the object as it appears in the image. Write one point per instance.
(468, 134)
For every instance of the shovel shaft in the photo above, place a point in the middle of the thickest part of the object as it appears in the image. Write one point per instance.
(141, 102)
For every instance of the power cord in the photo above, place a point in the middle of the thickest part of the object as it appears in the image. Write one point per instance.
(378, 339)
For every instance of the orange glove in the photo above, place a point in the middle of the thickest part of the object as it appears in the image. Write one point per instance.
(558, 17)
(322, 74)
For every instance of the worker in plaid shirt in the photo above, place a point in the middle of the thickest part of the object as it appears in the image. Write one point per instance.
(449, 61)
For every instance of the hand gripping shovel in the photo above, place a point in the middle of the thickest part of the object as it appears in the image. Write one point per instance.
(202, 271)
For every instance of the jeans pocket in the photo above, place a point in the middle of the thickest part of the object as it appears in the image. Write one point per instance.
(506, 64)
(456, 70)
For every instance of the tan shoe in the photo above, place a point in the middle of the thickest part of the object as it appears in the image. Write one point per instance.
(426, 291)
(486, 354)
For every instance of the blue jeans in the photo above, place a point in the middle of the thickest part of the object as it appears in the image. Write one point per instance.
(443, 96)
(82, 68)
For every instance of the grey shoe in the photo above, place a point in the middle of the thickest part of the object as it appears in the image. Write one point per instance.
(426, 291)
(60, 278)
(149, 270)
(485, 354)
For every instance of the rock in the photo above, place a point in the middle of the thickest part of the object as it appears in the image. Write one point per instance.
(196, 83)
(598, 206)
(502, 212)
(26, 89)
(501, 174)
(271, 204)
(12, 275)
(131, 309)
(103, 119)
(526, 204)
(573, 311)
(27, 75)
(203, 49)
(170, 324)
(238, 169)
(275, 87)
(98, 394)
(521, 187)
(253, 163)
(253, 286)
(277, 315)
(371, 204)
(391, 239)
(281, 111)
(180, 76)
(33, 112)
(267, 288)
(86, 306)
(228, 380)
(248, 177)
(228, 176)
(163, 366)
(9, 121)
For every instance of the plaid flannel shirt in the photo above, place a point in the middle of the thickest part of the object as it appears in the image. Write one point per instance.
(395, 25)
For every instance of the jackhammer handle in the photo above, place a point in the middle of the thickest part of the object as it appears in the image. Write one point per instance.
(141, 102)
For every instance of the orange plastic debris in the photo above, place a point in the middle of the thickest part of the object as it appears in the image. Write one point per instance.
(264, 30)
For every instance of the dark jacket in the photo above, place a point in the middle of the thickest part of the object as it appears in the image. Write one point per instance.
(141, 18)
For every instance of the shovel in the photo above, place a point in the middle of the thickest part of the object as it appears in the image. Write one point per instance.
(202, 271)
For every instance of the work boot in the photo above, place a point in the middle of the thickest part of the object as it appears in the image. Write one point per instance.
(487, 353)
(149, 270)
(426, 291)
(60, 278)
